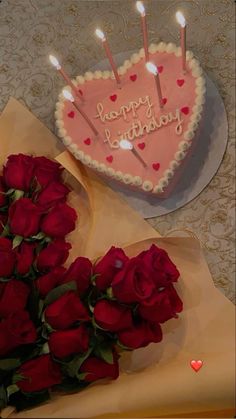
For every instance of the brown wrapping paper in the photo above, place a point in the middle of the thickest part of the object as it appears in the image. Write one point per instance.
(166, 385)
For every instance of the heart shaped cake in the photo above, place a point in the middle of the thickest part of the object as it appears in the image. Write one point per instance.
(162, 138)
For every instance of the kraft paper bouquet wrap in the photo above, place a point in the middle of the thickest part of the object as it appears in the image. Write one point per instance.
(155, 381)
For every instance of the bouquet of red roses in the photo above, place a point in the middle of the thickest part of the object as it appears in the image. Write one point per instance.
(64, 328)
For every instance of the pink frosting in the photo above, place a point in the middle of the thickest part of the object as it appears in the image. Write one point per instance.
(160, 145)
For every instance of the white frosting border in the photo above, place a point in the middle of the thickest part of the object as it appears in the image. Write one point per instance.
(188, 135)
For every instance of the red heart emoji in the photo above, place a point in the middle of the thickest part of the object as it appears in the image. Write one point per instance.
(164, 100)
(87, 141)
(160, 68)
(180, 82)
(185, 110)
(113, 98)
(133, 77)
(71, 114)
(141, 146)
(156, 166)
(109, 159)
(80, 91)
(196, 365)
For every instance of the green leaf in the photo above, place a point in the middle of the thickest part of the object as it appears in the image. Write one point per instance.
(3, 397)
(81, 376)
(12, 389)
(59, 291)
(110, 293)
(106, 353)
(95, 325)
(17, 241)
(5, 279)
(93, 278)
(5, 231)
(18, 194)
(39, 236)
(9, 364)
(17, 377)
(10, 191)
(72, 368)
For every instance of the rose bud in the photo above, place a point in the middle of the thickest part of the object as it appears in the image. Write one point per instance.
(46, 170)
(140, 335)
(39, 374)
(2, 195)
(7, 258)
(107, 267)
(65, 311)
(96, 368)
(54, 193)
(16, 330)
(59, 221)
(25, 257)
(64, 343)
(112, 316)
(24, 218)
(55, 254)
(3, 221)
(49, 281)
(163, 269)
(13, 297)
(81, 272)
(133, 283)
(162, 305)
(18, 172)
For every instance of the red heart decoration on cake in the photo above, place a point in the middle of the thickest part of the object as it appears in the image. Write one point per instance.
(185, 110)
(156, 166)
(87, 141)
(71, 114)
(141, 146)
(113, 98)
(180, 82)
(80, 91)
(133, 77)
(160, 68)
(109, 159)
(164, 100)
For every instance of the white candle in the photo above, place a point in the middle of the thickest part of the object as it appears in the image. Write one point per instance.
(152, 68)
(141, 10)
(54, 61)
(101, 36)
(127, 145)
(181, 20)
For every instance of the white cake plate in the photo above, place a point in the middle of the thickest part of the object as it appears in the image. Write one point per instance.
(201, 166)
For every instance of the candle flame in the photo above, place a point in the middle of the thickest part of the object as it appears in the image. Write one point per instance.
(55, 62)
(152, 68)
(126, 145)
(180, 19)
(67, 95)
(100, 34)
(140, 7)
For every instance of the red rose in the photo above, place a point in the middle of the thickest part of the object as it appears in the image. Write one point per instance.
(54, 193)
(112, 316)
(59, 221)
(163, 269)
(13, 297)
(81, 272)
(114, 260)
(65, 311)
(25, 257)
(2, 195)
(46, 170)
(140, 335)
(39, 373)
(49, 281)
(7, 258)
(19, 171)
(133, 283)
(55, 254)
(96, 368)
(162, 305)
(3, 221)
(16, 330)
(63, 343)
(24, 218)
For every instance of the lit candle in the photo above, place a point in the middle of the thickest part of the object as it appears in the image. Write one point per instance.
(127, 145)
(141, 9)
(59, 68)
(67, 95)
(101, 36)
(182, 22)
(153, 69)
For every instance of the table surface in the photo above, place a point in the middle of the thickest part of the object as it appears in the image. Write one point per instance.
(31, 29)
